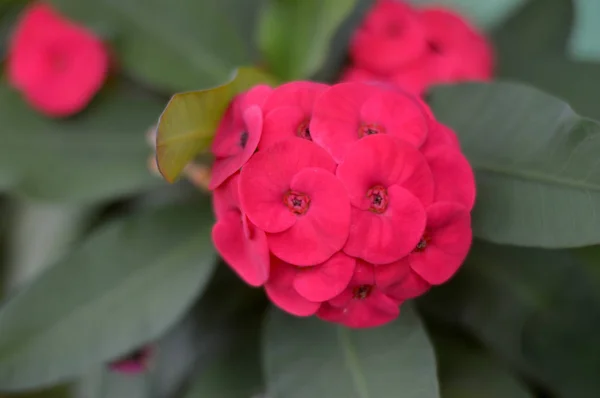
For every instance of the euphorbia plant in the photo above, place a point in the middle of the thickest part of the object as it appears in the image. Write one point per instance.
(352, 228)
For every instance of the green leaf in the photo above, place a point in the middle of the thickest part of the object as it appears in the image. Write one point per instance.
(231, 368)
(105, 383)
(538, 309)
(536, 163)
(175, 45)
(485, 14)
(55, 392)
(469, 373)
(188, 124)
(310, 358)
(539, 27)
(584, 42)
(93, 156)
(295, 35)
(222, 322)
(124, 286)
(578, 83)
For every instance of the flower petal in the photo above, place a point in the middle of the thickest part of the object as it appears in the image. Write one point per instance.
(449, 227)
(248, 257)
(384, 160)
(299, 94)
(453, 176)
(336, 116)
(267, 177)
(325, 281)
(281, 123)
(391, 274)
(398, 113)
(281, 291)
(389, 236)
(376, 310)
(323, 229)
(225, 167)
(411, 287)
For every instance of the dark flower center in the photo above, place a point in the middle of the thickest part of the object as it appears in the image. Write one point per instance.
(423, 243)
(379, 199)
(298, 203)
(303, 131)
(244, 139)
(434, 47)
(370, 129)
(362, 292)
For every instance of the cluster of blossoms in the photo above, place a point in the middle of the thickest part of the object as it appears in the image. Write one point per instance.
(415, 48)
(343, 200)
(57, 65)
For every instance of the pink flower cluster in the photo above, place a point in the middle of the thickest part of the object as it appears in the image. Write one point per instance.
(416, 48)
(343, 201)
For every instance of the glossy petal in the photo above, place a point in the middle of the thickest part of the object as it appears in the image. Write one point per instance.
(327, 280)
(281, 291)
(389, 37)
(241, 151)
(384, 160)
(323, 229)
(267, 177)
(453, 176)
(449, 228)
(389, 236)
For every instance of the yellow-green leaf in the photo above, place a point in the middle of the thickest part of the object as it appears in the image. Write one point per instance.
(187, 125)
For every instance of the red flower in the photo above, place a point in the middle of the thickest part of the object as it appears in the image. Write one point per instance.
(362, 304)
(133, 363)
(415, 49)
(389, 38)
(347, 112)
(240, 243)
(289, 191)
(58, 65)
(367, 208)
(288, 111)
(238, 134)
(299, 290)
(389, 183)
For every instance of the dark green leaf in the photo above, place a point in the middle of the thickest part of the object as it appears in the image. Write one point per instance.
(536, 163)
(469, 373)
(220, 323)
(124, 286)
(311, 358)
(55, 392)
(105, 383)
(295, 35)
(538, 27)
(578, 83)
(96, 155)
(188, 124)
(176, 45)
(539, 309)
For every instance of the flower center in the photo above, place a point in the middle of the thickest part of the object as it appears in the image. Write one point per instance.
(423, 243)
(362, 292)
(303, 131)
(370, 129)
(244, 139)
(434, 47)
(379, 199)
(298, 203)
